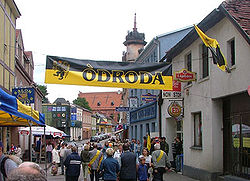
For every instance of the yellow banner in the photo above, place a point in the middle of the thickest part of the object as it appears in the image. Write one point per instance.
(61, 70)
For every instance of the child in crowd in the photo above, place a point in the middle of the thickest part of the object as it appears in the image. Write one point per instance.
(142, 170)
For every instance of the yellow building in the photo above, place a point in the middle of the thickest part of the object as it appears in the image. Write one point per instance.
(8, 15)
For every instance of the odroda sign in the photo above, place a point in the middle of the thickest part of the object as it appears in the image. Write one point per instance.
(60, 70)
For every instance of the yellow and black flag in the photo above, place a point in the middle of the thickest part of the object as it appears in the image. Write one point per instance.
(218, 57)
(148, 141)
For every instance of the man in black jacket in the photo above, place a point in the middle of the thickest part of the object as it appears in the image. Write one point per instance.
(128, 165)
(73, 164)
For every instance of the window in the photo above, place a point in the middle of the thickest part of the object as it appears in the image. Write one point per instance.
(153, 127)
(231, 52)
(132, 132)
(197, 129)
(112, 103)
(135, 131)
(147, 128)
(205, 64)
(189, 62)
(98, 103)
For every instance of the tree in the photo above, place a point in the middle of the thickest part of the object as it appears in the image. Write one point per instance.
(82, 102)
(43, 89)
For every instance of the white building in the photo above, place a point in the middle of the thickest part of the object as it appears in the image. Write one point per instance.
(216, 134)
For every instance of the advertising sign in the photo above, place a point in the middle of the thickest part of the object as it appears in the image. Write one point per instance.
(62, 70)
(23, 132)
(184, 75)
(174, 109)
(24, 95)
(176, 93)
(122, 109)
(149, 97)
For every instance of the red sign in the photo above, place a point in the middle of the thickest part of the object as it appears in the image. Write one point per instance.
(248, 90)
(174, 109)
(57, 134)
(23, 132)
(175, 93)
(184, 75)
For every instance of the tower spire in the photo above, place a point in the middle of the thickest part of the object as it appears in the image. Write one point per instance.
(135, 29)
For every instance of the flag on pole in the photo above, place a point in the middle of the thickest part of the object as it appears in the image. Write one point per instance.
(148, 141)
(218, 57)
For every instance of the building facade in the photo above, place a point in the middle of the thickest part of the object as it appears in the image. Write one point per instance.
(104, 103)
(153, 52)
(86, 123)
(8, 16)
(216, 125)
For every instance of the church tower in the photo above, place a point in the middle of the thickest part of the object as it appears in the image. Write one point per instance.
(134, 43)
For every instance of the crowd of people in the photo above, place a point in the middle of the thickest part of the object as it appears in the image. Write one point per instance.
(122, 160)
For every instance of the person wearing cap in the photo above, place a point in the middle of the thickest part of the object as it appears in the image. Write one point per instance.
(160, 162)
(73, 165)
(8, 164)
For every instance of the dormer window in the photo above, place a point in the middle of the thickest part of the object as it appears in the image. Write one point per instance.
(112, 103)
(98, 103)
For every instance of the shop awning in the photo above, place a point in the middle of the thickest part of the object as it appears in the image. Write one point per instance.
(49, 130)
(14, 113)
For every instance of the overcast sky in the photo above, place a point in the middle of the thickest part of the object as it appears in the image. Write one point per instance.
(96, 29)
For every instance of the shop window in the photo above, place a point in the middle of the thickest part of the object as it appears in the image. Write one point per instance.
(136, 132)
(205, 64)
(231, 52)
(153, 127)
(197, 129)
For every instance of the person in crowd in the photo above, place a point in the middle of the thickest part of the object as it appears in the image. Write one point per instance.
(61, 154)
(67, 152)
(153, 142)
(49, 149)
(38, 145)
(128, 165)
(106, 145)
(138, 148)
(132, 145)
(178, 147)
(73, 165)
(12, 150)
(34, 156)
(96, 157)
(55, 161)
(27, 171)
(85, 158)
(174, 153)
(142, 170)
(160, 162)
(118, 154)
(164, 145)
(6, 165)
(144, 141)
(18, 151)
(110, 166)
(145, 154)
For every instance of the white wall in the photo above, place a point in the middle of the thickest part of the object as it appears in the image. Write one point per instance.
(205, 97)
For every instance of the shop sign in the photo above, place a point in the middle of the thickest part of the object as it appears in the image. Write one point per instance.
(176, 93)
(148, 97)
(174, 109)
(57, 134)
(23, 132)
(24, 95)
(122, 109)
(184, 75)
